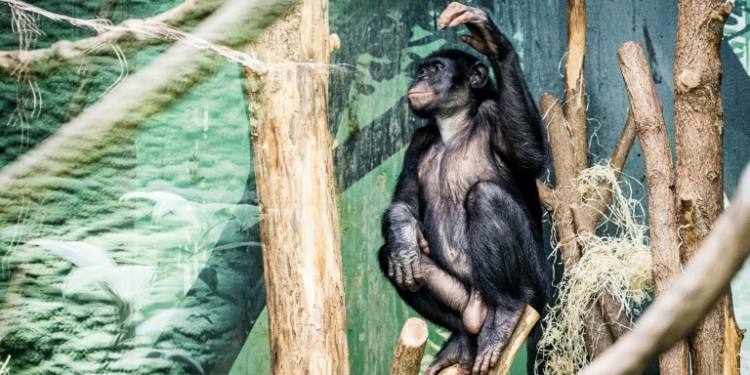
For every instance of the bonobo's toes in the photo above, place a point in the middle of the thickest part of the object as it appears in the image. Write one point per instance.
(493, 338)
(461, 349)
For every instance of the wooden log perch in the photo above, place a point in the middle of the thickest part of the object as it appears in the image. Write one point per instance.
(520, 333)
(652, 134)
(676, 313)
(299, 226)
(407, 358)
(699, 130)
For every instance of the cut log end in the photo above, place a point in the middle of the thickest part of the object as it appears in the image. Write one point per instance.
(407, 358)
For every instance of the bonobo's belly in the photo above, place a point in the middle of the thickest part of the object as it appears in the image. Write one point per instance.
(445, 231)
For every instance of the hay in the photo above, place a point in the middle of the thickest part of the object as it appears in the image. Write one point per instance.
(620, 264)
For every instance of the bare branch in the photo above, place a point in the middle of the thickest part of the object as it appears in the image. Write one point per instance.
(575, 92)
(676, 313)
(652, 134)
(112, 119)
(563, 151)
(62, 54)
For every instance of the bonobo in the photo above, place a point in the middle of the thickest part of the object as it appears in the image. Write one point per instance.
(463, 235)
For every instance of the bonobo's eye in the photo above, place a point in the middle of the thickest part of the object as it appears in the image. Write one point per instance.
(421, 72)
(438, 67)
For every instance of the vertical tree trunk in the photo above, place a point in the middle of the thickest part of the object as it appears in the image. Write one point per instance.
(700, 178)
(294, 171)
(575, 91)
(652, 134)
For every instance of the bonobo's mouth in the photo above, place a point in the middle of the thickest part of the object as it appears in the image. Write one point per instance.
(416, 93)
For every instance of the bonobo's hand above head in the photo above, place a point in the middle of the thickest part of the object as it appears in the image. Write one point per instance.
(484, 33)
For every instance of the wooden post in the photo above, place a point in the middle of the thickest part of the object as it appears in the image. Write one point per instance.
(652, 134)
(294, 174)
(700, 176)
(407, 358)
(520, 333)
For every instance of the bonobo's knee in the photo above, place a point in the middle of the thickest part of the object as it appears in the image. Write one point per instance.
(482, 195)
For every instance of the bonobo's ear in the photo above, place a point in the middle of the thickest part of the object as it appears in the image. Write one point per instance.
(478, 75)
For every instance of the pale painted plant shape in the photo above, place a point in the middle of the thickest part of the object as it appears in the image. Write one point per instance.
(197, 214)
(204, 217)
(124, 285)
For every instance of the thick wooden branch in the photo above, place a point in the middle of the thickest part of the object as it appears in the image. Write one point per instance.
(520, 333)
(676, 313)
(407, 357)
(699, 129)
(575, 92)
(560, 139)
(565, 176)
(652, 134)
(299, 225)
(65, 54)
(113, 119)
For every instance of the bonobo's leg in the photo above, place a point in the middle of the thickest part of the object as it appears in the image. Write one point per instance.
(441, 301)
(501, 246)
(439, 306)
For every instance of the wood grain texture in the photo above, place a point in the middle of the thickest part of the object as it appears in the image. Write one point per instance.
(652, 134)
(407, 357)
(699, 130)
(575, 91)
(294, 174)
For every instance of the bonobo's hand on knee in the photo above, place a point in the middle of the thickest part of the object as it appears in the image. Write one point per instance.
(404, 262)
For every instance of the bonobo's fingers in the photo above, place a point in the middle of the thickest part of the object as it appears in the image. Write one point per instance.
(399, 277)
(422, 242)
(409, 283)
(418, 274)
(474, 312)
(450, 13)
(476, 43)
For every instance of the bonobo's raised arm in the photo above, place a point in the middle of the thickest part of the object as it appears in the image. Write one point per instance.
(522, 139)
(401, 225)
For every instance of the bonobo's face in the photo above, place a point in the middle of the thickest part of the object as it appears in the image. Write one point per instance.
(443, 86)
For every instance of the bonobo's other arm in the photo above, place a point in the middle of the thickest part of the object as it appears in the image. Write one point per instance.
(401, 226)
(522, 142)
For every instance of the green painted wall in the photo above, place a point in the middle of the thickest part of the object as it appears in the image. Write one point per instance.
(200, 150)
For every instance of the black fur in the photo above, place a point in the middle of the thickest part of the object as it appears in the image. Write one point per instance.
(483, 215)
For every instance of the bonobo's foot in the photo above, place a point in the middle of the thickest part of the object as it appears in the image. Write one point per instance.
(460, 348)
(474, 312)
(493, 338)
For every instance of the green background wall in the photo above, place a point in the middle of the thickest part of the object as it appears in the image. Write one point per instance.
(200, 150)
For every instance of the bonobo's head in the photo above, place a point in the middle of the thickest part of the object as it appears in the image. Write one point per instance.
(447, 82)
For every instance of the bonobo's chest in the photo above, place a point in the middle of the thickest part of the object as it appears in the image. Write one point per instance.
(448, 170)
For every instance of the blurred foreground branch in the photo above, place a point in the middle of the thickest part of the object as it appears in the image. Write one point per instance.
(158, 86)
(43, 62)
